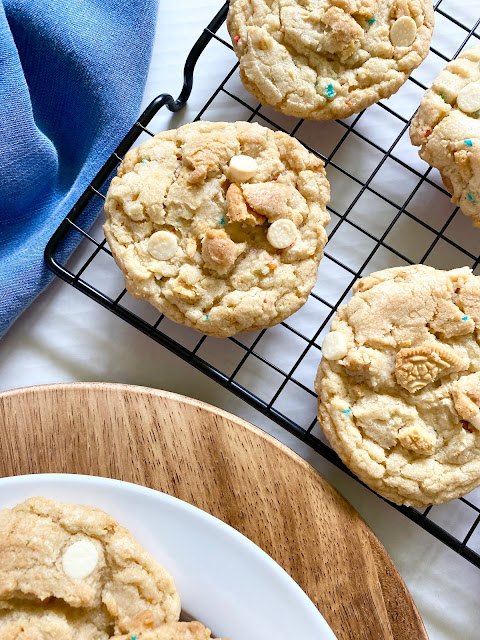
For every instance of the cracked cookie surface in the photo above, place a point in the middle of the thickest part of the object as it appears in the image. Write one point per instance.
(399, 383)
(325, 59)
(221, 226)
(447, 130)
(68, 566)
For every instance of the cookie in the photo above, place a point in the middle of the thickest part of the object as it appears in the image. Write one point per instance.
(175, 631)
(399, 383)
(31, 624)
(447, 130)
(82, 559)
(221, 226)
(326, 59)
(39, 623)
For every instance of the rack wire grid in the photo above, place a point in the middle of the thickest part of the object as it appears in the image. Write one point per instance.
(387, 208)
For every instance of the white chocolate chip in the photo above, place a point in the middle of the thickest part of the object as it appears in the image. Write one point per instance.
(403, 32)
(468, 100)
(242, 168)
(163, 245)
(334, 346)
(80, 559)
(282, 233)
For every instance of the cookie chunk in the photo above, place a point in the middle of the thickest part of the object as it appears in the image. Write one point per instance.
(81, 559)
(176, 631)
(399, 383)
(447, 130)
(30, 622)
(326, 59)
(220, 226)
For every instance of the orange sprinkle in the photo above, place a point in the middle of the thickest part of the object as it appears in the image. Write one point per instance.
(265, 300)
(428, 132)
(272, 266)
(236, 39)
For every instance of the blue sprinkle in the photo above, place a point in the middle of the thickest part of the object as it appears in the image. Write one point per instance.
(205, 317)
(465, 318)
(347, 411)
(143, 162)
(469, 143)
(134, 637)
(471, 198)
(372, 21)
(330, 92)
(222, 220)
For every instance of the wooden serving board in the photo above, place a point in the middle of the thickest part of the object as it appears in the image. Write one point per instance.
(228, 468)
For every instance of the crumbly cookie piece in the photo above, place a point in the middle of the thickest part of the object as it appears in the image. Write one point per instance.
(447, 130)
(324, 59)
(80, 557)
(47, 627)
(221, 226)
(175, 631)
(29, 622)
(399, 383)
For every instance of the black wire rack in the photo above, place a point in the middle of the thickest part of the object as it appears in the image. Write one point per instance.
(387, 210)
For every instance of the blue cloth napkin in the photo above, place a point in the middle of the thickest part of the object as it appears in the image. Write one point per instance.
(72, 74)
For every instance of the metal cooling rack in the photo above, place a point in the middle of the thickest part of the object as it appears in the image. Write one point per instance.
(386, 209)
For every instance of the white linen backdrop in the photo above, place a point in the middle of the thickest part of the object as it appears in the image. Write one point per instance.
(66, 337)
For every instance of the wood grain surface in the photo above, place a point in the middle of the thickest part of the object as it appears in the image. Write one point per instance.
(228, 468)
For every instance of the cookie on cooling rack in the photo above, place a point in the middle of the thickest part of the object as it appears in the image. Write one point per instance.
(328, 58)
(399, 383)
(447, 130)
(73, 571)
(221, 226)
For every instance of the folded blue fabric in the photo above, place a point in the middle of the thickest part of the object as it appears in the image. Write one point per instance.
(71, 79)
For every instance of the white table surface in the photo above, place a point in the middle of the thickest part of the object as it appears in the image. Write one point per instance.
(66, 337)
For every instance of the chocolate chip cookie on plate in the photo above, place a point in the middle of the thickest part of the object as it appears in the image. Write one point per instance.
(70, 571)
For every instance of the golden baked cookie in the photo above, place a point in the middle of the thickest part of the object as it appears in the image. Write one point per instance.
(30, 623)
(324, 59)
(81, 559)
(221, 226)
(48, 622)
(447, 130)
(399, 383)
(175, 631)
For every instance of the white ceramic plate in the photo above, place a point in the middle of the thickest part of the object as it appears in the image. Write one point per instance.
(223, 579)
